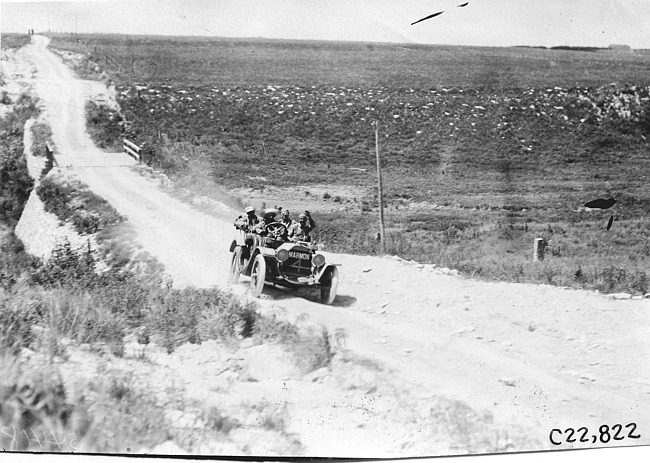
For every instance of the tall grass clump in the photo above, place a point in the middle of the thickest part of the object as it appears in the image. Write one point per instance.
(14, 41)
(105, 126)
(73, 202)
(41, 135)
(310, 349)
(15, 182)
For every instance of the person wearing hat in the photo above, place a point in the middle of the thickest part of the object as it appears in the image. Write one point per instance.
(268, 216)
(285, 218)
(248, 221)
(301, 230)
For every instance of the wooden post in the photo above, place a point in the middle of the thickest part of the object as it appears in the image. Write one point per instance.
(538, 249)
(382, 235)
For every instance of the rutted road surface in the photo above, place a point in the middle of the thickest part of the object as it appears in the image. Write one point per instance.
(534, 356)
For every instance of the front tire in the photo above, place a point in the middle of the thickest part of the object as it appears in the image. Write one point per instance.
(329, 283)
(258, 275)
(235, 266)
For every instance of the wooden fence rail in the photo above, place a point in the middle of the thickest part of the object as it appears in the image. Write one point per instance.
(131, 149)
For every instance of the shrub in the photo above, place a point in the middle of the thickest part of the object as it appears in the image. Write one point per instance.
(74, 202)
(14, 262)
(15, 182)
(310, 350)
(196, 315)
(639, 282)
(19, 313)
(4, 98)
(67, 267)
(35, 413)
(122, 417)
(42, 134)
(104, 126)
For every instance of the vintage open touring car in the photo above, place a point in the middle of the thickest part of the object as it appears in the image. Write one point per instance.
(272, 259)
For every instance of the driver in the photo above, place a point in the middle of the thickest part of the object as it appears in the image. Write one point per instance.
(269, 217)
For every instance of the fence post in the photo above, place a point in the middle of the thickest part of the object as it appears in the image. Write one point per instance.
(538, 249)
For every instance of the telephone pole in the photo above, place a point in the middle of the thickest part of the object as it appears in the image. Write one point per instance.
(380, 190)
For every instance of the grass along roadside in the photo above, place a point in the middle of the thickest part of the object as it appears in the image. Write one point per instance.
(50, 311)
(41, 136)
(14, 41)
(85, 298)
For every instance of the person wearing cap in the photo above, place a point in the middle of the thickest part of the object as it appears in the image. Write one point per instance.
(301, 230)
(268, 216)
(285, 218)
(248, 221)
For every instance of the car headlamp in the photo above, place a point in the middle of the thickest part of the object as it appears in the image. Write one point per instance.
(282, 254)
(318, 260)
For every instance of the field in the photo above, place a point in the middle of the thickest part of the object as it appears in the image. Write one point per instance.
(14, 40)
(484, 149)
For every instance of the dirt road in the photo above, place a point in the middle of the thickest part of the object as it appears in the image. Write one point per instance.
(534, 356)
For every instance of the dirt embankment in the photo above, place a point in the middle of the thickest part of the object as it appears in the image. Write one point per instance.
(39, 230)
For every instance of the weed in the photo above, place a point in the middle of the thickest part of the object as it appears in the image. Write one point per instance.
(4, 98)
(273, 417)
(74, 202)
(104, 126)
(217, 421)
(41, 134)
(15, 182)
(19, 312)
(35, 412)
(123, 416)
(12, 40)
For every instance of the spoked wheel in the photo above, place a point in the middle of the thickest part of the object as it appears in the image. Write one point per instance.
(235, 266)
(329, 282)
(258, 274)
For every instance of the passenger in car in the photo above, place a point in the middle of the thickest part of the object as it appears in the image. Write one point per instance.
(301, 231)
(285, 218)
(248, 221)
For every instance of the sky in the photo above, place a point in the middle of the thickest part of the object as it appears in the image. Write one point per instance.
(597, 23)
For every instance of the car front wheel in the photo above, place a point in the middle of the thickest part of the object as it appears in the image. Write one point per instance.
(235, 266)
(329, 282)
(258, 275)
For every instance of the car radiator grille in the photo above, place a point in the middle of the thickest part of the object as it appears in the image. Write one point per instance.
(293, 267)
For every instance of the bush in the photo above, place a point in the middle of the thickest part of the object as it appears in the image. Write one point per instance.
(42, 134)
(104, 126)
(15, 182)
(4, 98)
(75, 203)
(196, 315)
(19, 313)
(310, 350)
(35, 412)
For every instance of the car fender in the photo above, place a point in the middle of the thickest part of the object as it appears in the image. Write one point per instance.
(322, 270)
(266, 252)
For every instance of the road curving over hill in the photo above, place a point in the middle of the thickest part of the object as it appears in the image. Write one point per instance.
(536, 357)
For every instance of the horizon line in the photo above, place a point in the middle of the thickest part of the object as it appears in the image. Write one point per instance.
(553, 47)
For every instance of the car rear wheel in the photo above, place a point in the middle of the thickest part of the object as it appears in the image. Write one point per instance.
(235, 266)
(329, 283)
(258, 275)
